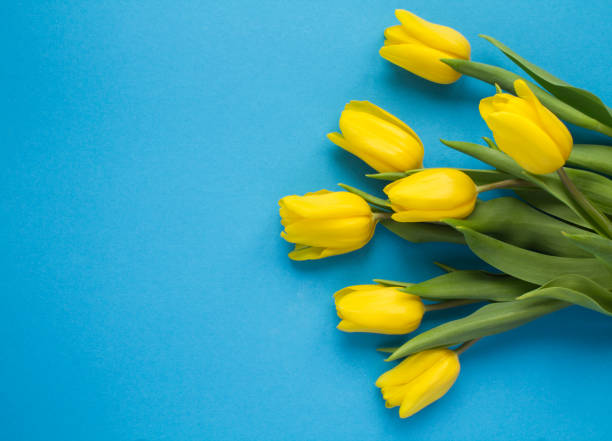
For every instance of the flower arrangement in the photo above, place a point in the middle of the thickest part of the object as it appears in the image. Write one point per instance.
(551, 242)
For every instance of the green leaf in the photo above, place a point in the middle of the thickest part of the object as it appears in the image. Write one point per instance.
(529, 228)
(488, 320)
(529, 265)
(593, 157)
(543, 201)
(580, 99)
(376, 201)
(391, 283)
(505, 78)
(480, 177)
(419, 232)
(471, 285)
(575, 289)
(598, 246)
(595, 187)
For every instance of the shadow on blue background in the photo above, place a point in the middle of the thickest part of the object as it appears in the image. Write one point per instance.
(147, 293)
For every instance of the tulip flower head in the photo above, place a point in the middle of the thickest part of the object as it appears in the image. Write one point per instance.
(419, 380)
(418, 45)
(526, 130)
(325, 223)
(378, 309)
(432, 195)
(378, 138)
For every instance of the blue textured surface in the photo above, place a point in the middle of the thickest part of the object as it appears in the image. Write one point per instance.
(146, 292)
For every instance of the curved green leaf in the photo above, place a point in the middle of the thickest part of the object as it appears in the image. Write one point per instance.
(543, 201)
(529, 228)
(488, 320)
(593, 157)
(594, 186)
(598, 246)
(419, 232)
(496, 75)
(580, 99)
(575, 289)
(528, 265)
(471, 285)
(373, 200)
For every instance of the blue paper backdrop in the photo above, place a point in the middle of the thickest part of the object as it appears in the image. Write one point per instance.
(146, 291)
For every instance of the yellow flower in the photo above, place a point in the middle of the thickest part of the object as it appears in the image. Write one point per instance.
(377, 309)
(419, 380)
(325, 223)
(378, 138)
(432, 195)
(417, 46)
(526, 130)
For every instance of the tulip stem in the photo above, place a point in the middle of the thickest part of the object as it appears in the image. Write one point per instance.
(449, 304)
(465, 346)
(507, 183)
(596, 218)
(381, 215)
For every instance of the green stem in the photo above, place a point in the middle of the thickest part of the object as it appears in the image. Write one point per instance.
(508, 183)
(465, 346)
(596, 218)
(449, 304)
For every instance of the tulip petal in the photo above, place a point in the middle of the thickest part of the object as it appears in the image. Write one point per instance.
(372, 109)
(459, 212)
(434, 35)
(422, 61)
(324, 204)
(331, 233)
(529, 145)
(398, 35)
(548, 121)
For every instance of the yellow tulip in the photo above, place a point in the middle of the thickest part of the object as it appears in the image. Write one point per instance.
(325, 223)
(526, 130)
(377, 309)
(378, 138)
(432, 195)
(418, 45)
(419, 380)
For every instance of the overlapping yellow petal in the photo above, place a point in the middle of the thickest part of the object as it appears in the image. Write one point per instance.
(526, 130)
(376, 309)
(432, 195)
(419, 380)
(418, 45)
(378, 138)
(325, 223)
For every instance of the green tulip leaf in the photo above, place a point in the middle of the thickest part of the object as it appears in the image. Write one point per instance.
(598, 246)
(419, 232)
(529, 228)
(531, 266)
(391, 283)
(595, 187)
(575, 289)
(488, 320)
(470, 284)
(505, 79)
(370, 199)
(593, 157)
(480, 177)
(543, 201)
(580, 99)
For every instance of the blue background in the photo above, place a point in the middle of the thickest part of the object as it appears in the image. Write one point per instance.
(146, 291)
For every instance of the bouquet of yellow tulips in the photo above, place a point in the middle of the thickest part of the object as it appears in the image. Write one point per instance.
(551, 241)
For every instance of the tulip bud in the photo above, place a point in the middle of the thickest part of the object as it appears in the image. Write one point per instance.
(418, 45)
(378, 138)
(526, 130)
(325, 223)
(377, 309)
(419, 380)
(432, 195)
